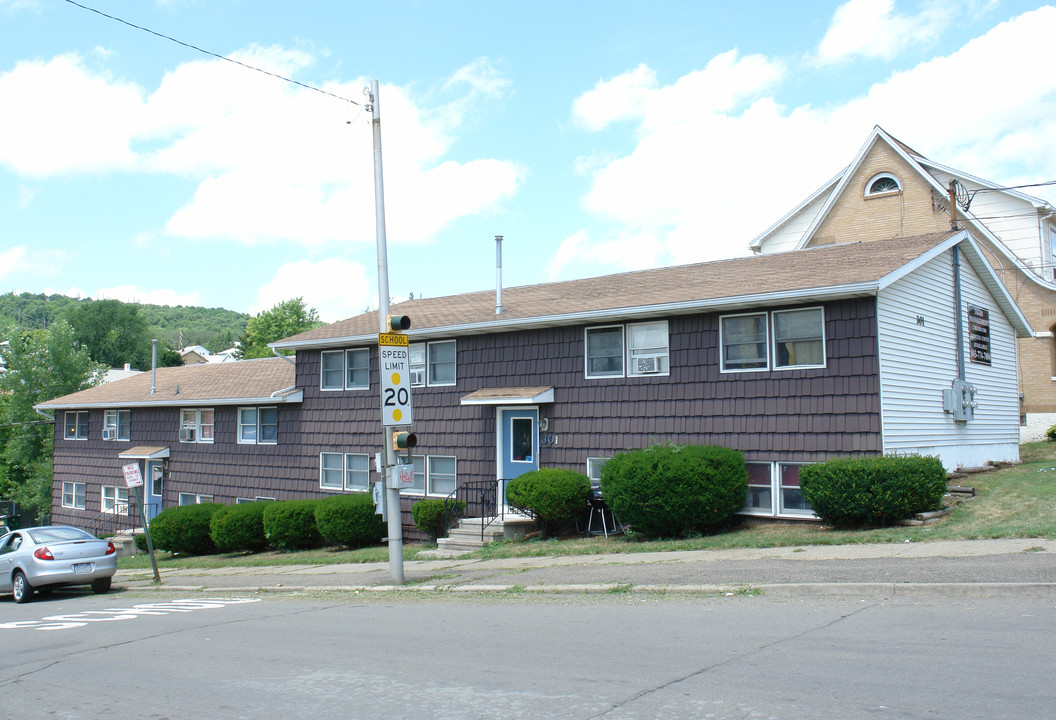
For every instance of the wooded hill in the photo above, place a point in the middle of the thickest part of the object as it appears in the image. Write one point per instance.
(215, 329)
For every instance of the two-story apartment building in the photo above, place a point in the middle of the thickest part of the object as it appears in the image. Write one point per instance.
(792, 358)
(890, 191)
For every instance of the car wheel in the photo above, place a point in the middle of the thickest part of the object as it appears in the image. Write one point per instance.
(21, 588)
(101, 585)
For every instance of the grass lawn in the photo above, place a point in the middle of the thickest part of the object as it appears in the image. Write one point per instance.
(1013, 502)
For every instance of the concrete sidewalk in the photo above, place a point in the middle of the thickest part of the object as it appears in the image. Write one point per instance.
(1021, 567)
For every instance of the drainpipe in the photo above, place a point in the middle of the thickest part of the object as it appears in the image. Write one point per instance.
(153, 366)
(498, 274)
(276, 353)
(956, 251)
(284, 390)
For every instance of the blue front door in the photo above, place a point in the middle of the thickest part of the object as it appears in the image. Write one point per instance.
(152, 486)
(519, 443)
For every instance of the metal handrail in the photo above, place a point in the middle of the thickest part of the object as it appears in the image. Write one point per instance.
(482, 497)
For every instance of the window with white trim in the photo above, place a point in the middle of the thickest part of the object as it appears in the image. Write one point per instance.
(114, 499)
(882, 183)
(790, 499)
(594, 466)
(433, 475)
(345, 369)
(799, 338)
(196, 425)
(760, 498)
(74, 495)
(194, 499)
(441, 475)
(344, 471)
(117, 425)
(258, 426)
(631, 350)
(75, 423)
(743, 342)
(433, 363)
(246, 501)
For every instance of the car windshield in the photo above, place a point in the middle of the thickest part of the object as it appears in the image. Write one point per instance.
(59, 534)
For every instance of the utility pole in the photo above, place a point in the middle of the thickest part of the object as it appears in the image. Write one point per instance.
(388, 453)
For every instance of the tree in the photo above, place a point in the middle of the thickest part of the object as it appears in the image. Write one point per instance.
(41, 365)
(283, 320)
(169, 358)
(113, 332)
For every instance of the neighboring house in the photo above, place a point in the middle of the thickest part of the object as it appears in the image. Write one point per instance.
(890, 191)
(230, 355)
(194, 355)
(200, 432)
(796, 358)
(114, 374)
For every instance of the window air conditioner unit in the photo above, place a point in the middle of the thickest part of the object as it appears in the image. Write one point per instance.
(649, 364)
(187, 434)
(417, 377)
(109, 434)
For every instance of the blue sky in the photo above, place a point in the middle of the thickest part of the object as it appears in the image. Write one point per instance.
(596, 137)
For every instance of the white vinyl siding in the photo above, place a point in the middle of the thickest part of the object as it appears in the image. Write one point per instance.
(917, 346)
(789, 235)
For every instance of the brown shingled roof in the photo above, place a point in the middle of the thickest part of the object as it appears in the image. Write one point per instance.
(215, 384)
(762, 275)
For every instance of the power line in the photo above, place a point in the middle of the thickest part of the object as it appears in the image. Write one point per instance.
(306, 86)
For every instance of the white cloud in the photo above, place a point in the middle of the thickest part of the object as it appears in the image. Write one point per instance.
(337, 288)
(158, 296)
(271, 161)
(20, 259)
(12, 259)
(709, 173)
(872, 29)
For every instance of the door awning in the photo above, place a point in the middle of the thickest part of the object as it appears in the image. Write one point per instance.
(145, 452)
(524, 395)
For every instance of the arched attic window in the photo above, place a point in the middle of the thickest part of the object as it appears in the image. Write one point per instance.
(881, 184)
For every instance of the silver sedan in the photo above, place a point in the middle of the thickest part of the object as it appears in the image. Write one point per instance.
(44, 558)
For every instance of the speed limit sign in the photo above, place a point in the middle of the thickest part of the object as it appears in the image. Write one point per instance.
(395, 366)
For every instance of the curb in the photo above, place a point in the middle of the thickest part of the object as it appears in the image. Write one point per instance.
(966, 590)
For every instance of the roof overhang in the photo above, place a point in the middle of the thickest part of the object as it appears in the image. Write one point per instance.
(526, 395)
(145, 452)
(175, 401)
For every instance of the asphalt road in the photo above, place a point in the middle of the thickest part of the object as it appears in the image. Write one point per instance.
(617, 656)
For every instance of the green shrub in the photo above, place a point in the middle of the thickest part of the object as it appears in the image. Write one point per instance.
(434, 516)
(184, 529)
(349, 520)
(239, 528)
(290, 525)
(1051, 433)
(670, 490)
(553, 497)
(875, 491)
(141, 542)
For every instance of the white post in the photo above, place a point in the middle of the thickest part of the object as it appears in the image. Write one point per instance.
(392, 492)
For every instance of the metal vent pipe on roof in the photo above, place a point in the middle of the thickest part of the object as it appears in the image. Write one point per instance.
(498, 274)
(153, 366)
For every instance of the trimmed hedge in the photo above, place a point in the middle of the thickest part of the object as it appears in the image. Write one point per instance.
(874, 491)
(238, 528)
(290, 525)
(671, 490)
(432, 515)
(349, 520)
(184, 529)
(553, 497)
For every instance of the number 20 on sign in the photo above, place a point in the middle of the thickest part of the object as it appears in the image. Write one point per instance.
(395, 365)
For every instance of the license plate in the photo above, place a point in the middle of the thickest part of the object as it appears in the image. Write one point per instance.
(82, 568)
